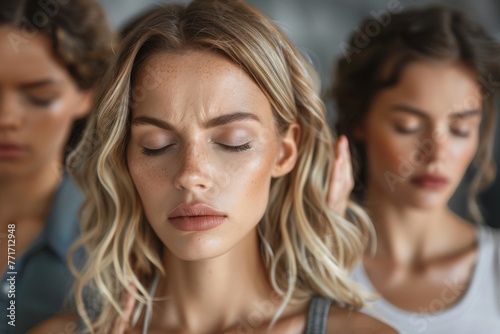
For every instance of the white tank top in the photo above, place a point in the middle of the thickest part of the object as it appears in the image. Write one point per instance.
(477, 312)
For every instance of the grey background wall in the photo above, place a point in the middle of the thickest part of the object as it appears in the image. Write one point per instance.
(318, 28)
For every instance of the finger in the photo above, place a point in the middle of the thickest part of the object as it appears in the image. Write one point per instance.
(122, 323)
(340, 192)
(343, 174)
(343, 177)
(129, 306)
(340, 177)
(348, 164)
(337, 186)
(337, 148)
(333, 185)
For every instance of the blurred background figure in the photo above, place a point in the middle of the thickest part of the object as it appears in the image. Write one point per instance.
(319, 29)
(418, 107)
(51, 55)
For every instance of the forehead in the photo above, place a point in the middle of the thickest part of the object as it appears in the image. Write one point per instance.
(26, 58)
(201, 84)
(435, 87)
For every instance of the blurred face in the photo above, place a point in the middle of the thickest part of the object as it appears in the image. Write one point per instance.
(422, 134)
(38, 103)
(202, 152)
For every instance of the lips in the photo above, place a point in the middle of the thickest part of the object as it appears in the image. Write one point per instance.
(9, 150)
(198, 217)
(429, 181)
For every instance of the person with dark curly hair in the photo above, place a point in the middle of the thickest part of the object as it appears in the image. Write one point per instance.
(418, 103)
(52, 53)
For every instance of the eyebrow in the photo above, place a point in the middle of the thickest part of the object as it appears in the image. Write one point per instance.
(39, 83)
(409, 110)
(420, 113)
(214, 122)
(142, 120)
(465, 114)
(230, 118)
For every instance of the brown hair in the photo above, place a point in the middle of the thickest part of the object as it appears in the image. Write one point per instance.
(80, 35)
(429, 34)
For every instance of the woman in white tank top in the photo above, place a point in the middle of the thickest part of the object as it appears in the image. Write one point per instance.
(418, 103)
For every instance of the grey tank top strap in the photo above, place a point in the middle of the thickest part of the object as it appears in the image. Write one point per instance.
(317, 315)
(149, 308)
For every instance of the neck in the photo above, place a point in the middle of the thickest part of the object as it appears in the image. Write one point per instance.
(232, 287)
(28, 198)
(409, 235)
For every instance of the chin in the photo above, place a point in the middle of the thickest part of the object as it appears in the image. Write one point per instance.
(195, 247)
(428, 201)
(11, 170)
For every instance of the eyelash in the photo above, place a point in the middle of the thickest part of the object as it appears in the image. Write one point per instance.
(39, 102)
(240, 148)
(409, 132)
(460, 133)
(151, 153)
(405, 131)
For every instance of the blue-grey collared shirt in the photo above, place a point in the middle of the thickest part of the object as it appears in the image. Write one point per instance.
(43, 280)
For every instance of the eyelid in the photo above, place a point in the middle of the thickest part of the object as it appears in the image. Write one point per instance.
(40, 102)
(459, 130)
(238, 148)
(151, 137)
(405, 129)
(459, 133)
(154, 152)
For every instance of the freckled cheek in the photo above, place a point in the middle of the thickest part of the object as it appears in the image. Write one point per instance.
(248, 182)
(150, 180)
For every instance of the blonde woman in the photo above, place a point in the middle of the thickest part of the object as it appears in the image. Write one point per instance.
(204, 172)
(419, 106)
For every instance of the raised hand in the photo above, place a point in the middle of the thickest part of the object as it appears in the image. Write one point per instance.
(341, 177)
(122, 324)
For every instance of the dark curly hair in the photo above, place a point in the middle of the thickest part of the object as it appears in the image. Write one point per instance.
(81, 38)
(429, 33)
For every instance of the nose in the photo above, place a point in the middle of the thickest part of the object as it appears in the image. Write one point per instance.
(439, 139)
(193, 174)
(10, 118)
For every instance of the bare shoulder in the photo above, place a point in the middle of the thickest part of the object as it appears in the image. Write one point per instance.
(66, 323)
(345, 321)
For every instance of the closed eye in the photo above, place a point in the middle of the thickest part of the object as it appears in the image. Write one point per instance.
(238, 148)
(405, 130)
(39, 102)
(460, 133)
(154, 152)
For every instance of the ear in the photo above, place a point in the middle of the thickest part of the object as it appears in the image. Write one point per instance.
(84, 103)
(288, 151)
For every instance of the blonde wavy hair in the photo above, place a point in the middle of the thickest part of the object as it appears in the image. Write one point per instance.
(307, 248)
